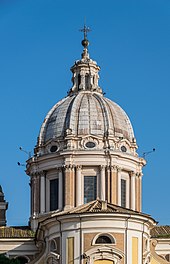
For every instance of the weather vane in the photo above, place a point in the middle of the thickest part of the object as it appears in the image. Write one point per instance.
(85, 30)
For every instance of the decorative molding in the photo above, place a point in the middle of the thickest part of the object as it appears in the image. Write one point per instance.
(103, 252)
(89, 139)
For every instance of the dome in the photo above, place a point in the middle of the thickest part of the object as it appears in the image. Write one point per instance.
(85, 111)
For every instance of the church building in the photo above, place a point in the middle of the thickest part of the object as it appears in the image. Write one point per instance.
(86, 185)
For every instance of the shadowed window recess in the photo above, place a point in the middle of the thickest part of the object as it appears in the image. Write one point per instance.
(53, 194)
(90, 188)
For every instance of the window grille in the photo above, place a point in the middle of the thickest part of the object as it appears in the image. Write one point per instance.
(123, 193)
(53, 194)
(103, 240)
(90, 188)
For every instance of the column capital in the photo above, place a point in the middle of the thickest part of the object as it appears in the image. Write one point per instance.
(34, 175)
(139, 175)
(102, 167)
(59, 169)
(79, 167)
(119, 169)
(69, 167)
(132, 174)
(42, 173)
(108, 167)
(32, 181)
(113, 168)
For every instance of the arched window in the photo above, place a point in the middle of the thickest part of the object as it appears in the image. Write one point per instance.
(79, 80)
(86, 81)
(94, 79)
(104, 239)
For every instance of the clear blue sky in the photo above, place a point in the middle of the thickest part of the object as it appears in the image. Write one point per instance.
(39, 42)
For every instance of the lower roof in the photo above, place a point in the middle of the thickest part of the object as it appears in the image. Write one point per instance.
(161, 232)
(16, 232)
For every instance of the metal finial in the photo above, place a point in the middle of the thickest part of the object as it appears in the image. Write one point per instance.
(85, 42)
(85, 30)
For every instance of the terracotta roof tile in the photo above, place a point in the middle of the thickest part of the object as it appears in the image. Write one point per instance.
(16, 232)
(161, 232)
(99, 206)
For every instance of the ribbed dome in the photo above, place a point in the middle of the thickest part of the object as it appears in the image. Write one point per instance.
(86, 113)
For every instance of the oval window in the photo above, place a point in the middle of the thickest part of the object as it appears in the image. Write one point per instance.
(123, 149)
(90, 144)
(53, 148)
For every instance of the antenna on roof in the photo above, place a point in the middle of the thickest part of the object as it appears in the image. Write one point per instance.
(27, 152)
(148, 152)
(20, 164)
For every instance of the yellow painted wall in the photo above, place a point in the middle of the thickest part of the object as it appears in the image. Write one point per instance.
(70, 250)
(103, 261)
(134, 250)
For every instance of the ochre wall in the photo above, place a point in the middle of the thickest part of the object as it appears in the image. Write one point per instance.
(70, 250)
(134, 250)
(88, 238)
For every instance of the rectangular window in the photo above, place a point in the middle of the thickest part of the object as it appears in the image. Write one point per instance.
(90, 188)
(53, 194)
(123, 193)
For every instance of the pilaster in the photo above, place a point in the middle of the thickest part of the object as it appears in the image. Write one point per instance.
(102, 183)
(108, 184)
(78, 185)
(114, 185)
(60, 191)
(132, 190)
(138, 184)
(140, 191)
(119, 184)
(42, 192)
(69, 187)
(35, 186)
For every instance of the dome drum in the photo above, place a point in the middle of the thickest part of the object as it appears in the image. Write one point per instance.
(87, 142)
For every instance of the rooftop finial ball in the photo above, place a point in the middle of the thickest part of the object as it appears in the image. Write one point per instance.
(85, 43)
